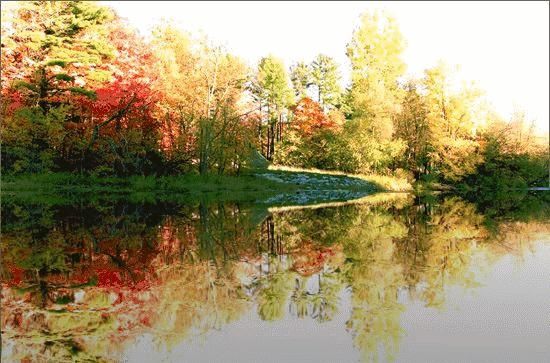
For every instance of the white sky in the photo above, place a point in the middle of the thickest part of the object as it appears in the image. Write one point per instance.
(503, 46)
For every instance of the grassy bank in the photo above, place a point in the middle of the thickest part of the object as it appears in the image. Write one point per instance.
(61, 186)
(189, 183)
(271, 186)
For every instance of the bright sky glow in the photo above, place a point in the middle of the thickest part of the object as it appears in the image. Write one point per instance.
(503, 46)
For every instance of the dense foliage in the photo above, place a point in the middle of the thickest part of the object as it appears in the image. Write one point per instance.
(83, 92)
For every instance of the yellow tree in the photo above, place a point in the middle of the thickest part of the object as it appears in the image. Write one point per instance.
(177, 81)
(375, 55)
(203, 108)
(451, 117)
(412, 127)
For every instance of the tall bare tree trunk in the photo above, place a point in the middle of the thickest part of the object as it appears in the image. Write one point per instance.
(260, 141)
(268, 145)
(272, 139)
(204, 146)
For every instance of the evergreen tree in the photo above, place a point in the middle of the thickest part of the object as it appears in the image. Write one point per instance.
(326, 78)
(300, 76)
(272, 88)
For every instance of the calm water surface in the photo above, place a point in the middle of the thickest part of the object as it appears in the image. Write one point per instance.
(388, 278)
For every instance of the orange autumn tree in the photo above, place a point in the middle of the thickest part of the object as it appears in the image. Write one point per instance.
(309, 118)
(310, 137)
(178, 80)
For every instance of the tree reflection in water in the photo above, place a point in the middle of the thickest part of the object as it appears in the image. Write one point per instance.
(82, 282)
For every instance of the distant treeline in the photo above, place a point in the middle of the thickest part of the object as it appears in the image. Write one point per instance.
(83, 92)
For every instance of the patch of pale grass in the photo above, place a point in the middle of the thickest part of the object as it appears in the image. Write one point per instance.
(386, 182)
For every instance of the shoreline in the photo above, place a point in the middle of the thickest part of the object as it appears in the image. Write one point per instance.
(274, 187)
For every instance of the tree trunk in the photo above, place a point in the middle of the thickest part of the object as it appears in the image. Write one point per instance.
(268, 144)
(272, 141)
(260, 141)
(204, 146)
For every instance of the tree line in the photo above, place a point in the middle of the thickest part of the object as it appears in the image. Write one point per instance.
(83, 92)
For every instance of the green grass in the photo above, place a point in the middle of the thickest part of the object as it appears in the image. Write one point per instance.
(260, 185)
(57, 187)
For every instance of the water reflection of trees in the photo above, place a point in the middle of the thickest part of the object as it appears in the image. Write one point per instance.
(74, 276)
(396, 245)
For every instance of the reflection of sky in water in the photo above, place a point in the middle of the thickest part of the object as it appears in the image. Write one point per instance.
(507, 319)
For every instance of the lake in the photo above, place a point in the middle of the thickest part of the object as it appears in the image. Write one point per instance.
(390, 277)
